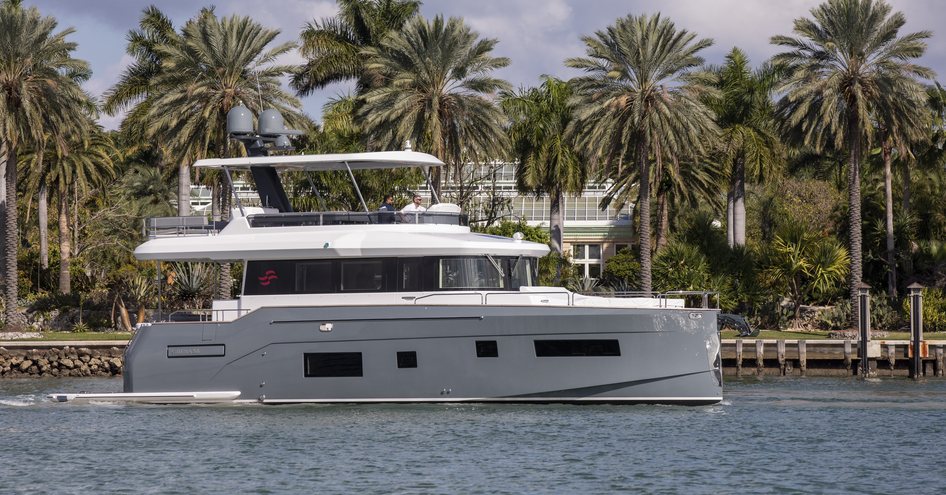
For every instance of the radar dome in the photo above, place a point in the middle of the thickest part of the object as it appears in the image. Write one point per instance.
(240, 121)
(271, 123)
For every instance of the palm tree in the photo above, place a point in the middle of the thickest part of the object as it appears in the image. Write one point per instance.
(137, 88)
(437, 91)
(86, 163)
(215, 65)
(39, 96)
(847, 68)
(642, 95)
(748, 141)
(333, 46)
(548, 161)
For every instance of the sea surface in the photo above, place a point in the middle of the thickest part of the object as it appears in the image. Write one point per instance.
(774, 435)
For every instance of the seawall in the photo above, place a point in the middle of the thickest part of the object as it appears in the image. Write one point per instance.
(20, 359)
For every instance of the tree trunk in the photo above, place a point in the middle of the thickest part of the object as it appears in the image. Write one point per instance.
(888, 208)
(555, 229)
(224, 283)
(183, 189)
(65, 244)
(739, 204)
(854, 217)
(644, 227)
(663, 215)
(13, 318)
(729, 216)
(125, 317)
(141, 313)
(907, 188)
(42, 212)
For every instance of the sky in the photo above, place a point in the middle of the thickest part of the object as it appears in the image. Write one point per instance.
(537, 35)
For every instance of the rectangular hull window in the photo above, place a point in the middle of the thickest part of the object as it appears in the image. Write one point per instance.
(407, 359)
(487, 348)
(333, 364)
(570, 348)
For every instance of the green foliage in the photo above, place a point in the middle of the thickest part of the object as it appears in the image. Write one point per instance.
(681, 266)
(934, 310)
(193, 284)
(622, 271)
(506, 228)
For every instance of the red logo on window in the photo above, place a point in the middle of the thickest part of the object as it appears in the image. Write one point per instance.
(268, 277)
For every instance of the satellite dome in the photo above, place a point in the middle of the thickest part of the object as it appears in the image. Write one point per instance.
(240, 121)
(271, 122)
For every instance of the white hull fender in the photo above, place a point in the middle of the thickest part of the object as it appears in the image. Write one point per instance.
(150, 397)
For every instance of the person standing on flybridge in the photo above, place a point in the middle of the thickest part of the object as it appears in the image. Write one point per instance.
(412, 209)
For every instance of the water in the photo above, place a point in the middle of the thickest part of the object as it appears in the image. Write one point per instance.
(768, 436)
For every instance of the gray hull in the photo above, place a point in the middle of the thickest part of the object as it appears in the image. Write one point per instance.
(665, 355)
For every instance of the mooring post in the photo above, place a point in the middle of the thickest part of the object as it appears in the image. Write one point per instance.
(738, 357)
(916, 329)
(803, 356)
(760, 357)
(780, 349)
(863, 308)
(847, 355)
(892, 357)
(940, 362)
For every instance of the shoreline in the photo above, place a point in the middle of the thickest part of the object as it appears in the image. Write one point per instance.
(740, 357)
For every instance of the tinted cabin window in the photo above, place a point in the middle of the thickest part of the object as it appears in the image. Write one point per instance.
(487, 348)
(470, 273)
(570, 348)
(412, 274)
(407, 359)
(269, 277)
(365, 275)
(332, 364)
(521, 274)
(313, 277)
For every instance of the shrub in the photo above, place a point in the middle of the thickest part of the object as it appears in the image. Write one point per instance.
(622, 271)
(934, 310)
(681, 266)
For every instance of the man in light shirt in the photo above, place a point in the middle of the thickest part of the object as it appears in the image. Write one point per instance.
(413, 209)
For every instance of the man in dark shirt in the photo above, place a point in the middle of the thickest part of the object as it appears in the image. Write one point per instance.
(386, 211)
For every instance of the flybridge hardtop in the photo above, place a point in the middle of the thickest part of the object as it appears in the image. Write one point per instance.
(329, 162)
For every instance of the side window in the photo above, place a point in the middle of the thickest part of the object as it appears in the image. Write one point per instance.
(521, 272)
(268, 277)
(470, 273)
(411, 277)
(360, 275)
(313, 277)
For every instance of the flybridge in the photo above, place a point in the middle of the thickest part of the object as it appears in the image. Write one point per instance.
(272, 135)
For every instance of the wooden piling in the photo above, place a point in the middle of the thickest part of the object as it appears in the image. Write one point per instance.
(940, 361)
(760, 357)
(802, 356)
(738, 357)
(780, 350)
(892, 357)
(847, 354)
